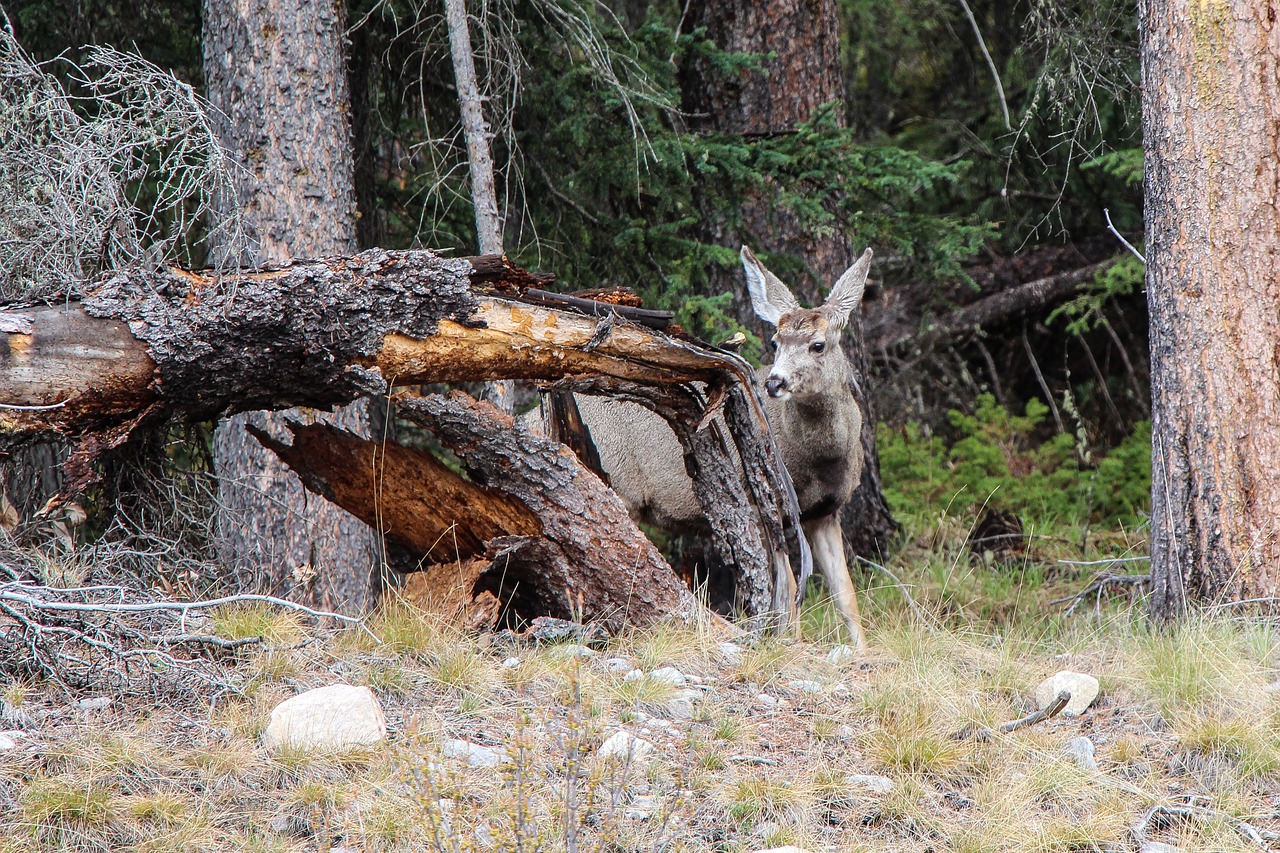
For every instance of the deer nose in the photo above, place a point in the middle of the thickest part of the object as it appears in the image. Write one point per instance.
(775, 386)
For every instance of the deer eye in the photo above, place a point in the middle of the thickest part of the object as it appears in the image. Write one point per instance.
(774, 343)
(818, 346)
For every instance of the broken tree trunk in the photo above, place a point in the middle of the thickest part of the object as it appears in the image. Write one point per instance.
(519, 530)
(148, 346)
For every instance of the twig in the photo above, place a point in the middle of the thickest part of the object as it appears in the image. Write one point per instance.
(1230, 604)
(210, 640)
(1107, 215)
(1105, 562)
(1044, 386)
(1098, 584)
(7, 594)
(906, 593)
(995, 74)
(1048, 712)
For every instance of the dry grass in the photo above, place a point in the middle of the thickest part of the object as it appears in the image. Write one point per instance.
(1187, 718)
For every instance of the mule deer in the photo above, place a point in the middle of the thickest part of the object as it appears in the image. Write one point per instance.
(810, 406)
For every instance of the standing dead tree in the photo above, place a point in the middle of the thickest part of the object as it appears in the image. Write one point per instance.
(143, 347)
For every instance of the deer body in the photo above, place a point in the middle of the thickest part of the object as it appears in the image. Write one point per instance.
(811, 410)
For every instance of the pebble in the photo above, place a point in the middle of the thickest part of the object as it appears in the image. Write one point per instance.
(879, 784)
(473, 753)
(633, 675)
(669, 675)
(841, 655)
(617, 665)
(9, 740)
(511, 663)
(805, 686)
(1082, 751)
(624, 746)
(766, 700)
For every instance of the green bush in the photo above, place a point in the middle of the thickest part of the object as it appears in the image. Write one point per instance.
(997, 460)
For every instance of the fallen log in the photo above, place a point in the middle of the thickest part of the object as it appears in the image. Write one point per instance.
(518, 531)
(146, 346)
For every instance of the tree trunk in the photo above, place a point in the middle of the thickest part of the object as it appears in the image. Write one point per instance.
(1211, 106)
(277, 70)
(180, 344)
(804, 75)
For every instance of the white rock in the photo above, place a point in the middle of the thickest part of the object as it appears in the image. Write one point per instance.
(625, 747)
(841, 689)
(1083, 689)
(879, 784)
(473, 753)
(1158, 847)
(8, 741)
(633, 675)
(1082, 751)
(669, 675)
(97, 703)
(617, 665)
(765, 700)
(731, 652)
(805, 686)
(680, 709)
(328, 718)
(642, 807)
(511, 663)
(841, 655)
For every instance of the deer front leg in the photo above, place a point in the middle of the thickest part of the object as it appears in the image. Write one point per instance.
(828, 553)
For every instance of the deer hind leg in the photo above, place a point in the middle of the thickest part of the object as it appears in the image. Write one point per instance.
(828, 553)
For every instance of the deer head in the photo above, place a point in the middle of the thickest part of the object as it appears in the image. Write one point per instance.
(808, 359)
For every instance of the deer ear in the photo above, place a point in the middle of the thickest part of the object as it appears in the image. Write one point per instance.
(769, 296)
(847, 294)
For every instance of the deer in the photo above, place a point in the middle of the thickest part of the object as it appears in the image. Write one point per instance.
(812, 413)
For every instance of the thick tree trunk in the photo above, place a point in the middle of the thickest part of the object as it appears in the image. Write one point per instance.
(804, 75)
(276, 69)
(1211, 106)
(321, 333)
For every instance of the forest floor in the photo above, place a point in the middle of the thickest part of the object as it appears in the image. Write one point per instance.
(757, 743)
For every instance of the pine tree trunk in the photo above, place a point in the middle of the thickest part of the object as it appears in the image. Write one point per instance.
(804, 75)
(276, 69)
(1211, 106)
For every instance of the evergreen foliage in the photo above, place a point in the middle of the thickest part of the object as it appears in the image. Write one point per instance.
(999, 459)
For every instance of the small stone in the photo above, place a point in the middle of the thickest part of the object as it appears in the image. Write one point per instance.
(668, 675)
(879, 784)
(841, 689)
(328, 718)
(841, 655)
(765, 700)
(617, 665)
(511, 663)
(1157, 847)
(642, 807)
(97, 703)
(1083, 689)
(680, 709)
(633, 675)
(1082, 751)
(473, 753)
(9, 740)
(626, 747)
(805, 686)
(731, 652)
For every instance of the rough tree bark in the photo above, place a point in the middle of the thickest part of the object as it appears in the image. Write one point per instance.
(516, 533)
(804, 75)
(276, 69)
(145, 347)
(1211, 106)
